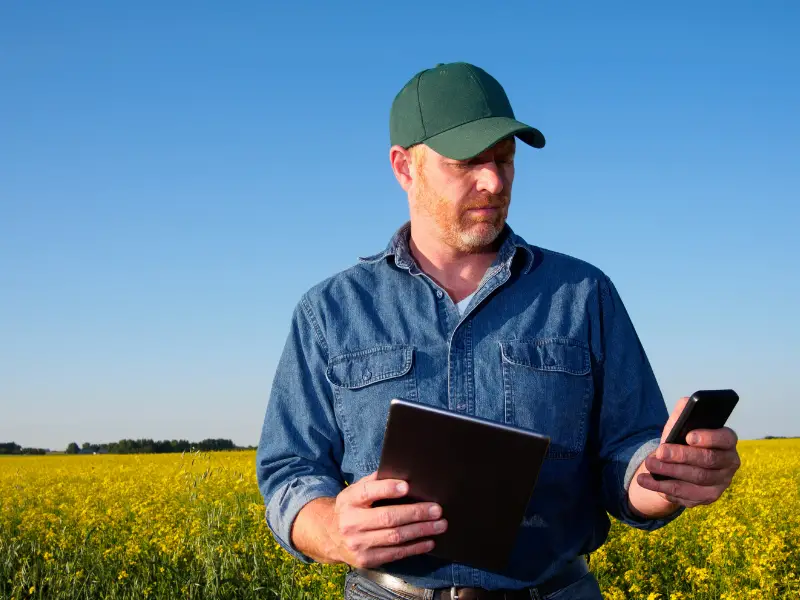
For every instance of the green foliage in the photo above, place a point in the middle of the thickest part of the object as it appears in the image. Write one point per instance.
(12, 448)
(149, 446)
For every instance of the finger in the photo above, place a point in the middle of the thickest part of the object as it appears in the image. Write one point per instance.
(722, 439)
(676, 412)
(683, 491)
(388, 517)
(698, 457)
(696, 475)
(396, 536)
(380, 556)
(674, 500)
(366, 491)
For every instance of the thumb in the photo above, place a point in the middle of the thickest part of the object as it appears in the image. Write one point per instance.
(676, 412)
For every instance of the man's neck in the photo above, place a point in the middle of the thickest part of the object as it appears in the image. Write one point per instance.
(459, 273)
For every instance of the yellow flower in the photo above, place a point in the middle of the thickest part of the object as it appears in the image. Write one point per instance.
(90, 518)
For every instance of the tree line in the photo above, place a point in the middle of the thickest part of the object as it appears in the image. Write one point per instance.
(12, 448)
(140, 446)
(149, 446)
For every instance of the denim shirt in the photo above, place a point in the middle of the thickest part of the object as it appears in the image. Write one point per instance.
(545, 344)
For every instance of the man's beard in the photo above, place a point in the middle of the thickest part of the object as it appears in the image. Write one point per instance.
(466, 231)
(478, 231)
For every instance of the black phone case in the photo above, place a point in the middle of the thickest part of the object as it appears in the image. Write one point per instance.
(706, 409)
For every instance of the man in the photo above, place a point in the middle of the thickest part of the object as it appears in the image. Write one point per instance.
(461, 313)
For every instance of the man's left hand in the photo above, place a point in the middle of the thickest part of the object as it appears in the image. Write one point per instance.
(700, 472)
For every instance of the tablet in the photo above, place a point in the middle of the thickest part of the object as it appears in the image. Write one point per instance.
(482, 473)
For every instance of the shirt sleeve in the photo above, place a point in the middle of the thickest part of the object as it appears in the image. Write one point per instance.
(631, 413)
(300, 448)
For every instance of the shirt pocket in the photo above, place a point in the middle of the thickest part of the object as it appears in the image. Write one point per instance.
(364, 383)
(548, 386)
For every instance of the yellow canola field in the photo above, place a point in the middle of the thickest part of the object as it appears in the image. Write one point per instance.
(192, 526)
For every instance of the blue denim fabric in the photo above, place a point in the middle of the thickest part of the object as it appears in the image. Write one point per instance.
(545, 344)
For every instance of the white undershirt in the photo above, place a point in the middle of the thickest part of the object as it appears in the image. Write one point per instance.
(462, 306)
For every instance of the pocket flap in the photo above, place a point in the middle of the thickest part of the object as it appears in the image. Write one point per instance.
(561, 355)
(358, 369)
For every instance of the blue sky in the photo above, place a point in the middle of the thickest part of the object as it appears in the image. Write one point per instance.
(172, 178)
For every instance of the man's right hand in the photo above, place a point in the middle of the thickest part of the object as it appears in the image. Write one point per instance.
(367, 536)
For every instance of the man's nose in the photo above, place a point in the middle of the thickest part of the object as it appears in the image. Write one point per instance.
(490, 179)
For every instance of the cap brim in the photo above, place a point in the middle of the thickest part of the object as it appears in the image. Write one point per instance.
(468, 140)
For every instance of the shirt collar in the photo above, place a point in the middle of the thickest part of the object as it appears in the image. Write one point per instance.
(399, 249)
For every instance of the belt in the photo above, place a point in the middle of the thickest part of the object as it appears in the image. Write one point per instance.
(570, 574)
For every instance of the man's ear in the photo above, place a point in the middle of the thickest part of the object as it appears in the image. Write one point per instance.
(400, 158)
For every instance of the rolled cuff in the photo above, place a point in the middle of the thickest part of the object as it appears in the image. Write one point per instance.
(626, 515)
(637, 459)
(288, 500)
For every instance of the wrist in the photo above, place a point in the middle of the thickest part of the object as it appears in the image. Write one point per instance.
(648, 504)
(655, 508)
(332, 544)
(314, 533)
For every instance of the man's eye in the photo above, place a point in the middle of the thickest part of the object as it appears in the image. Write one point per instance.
(473, 163)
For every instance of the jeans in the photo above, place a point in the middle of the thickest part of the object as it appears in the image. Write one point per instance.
(357, 587)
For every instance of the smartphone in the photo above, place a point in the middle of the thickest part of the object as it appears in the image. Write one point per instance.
(706, 409)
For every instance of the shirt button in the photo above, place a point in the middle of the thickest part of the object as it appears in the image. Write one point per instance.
(461, 406)
(439, 294)
(549, 361)
(367, 375)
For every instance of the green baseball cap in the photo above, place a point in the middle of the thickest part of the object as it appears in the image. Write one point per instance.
(457, 109)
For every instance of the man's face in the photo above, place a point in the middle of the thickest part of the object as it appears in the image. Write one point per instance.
(466, 201)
